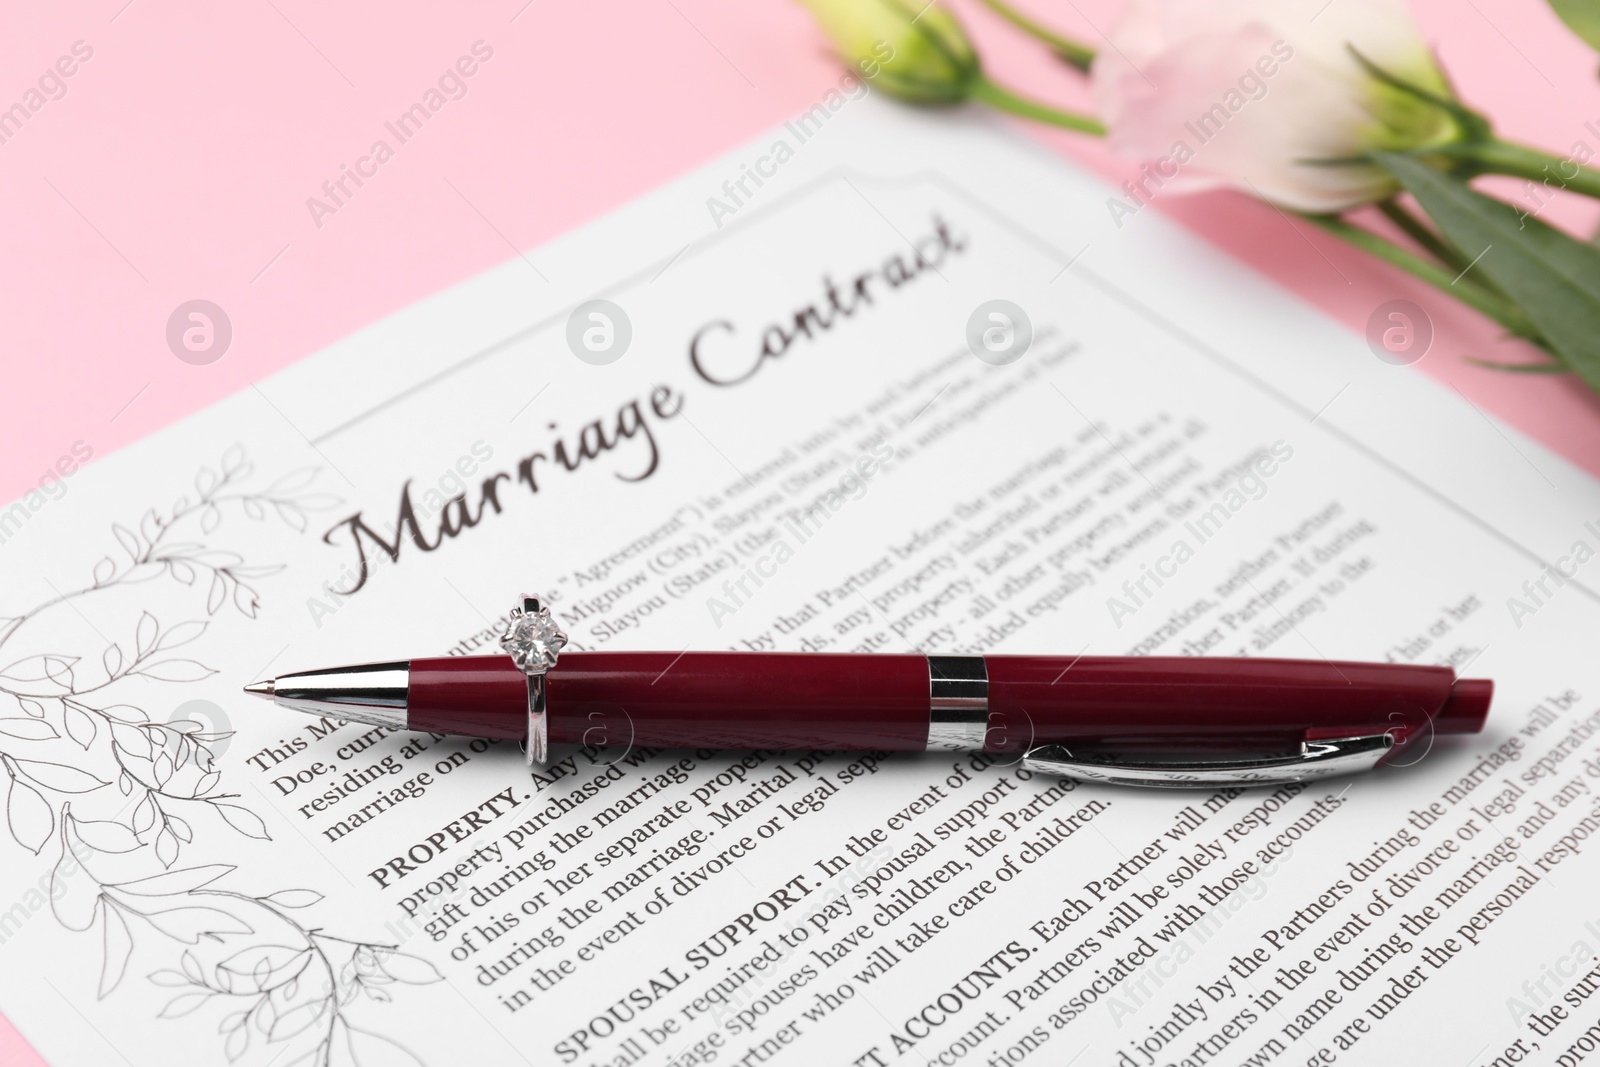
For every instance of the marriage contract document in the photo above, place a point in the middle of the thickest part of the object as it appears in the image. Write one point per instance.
(866, 384)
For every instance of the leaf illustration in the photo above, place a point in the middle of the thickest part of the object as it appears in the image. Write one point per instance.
(365, 963)
(297, 1020)
(291, 515)
(186, 880)
(30, 669)
(58, 669)
(266, 1014)
(106, 836)
(166, 847)
(266, 571)
(183, 1004)
(132, 740)
(146, 634)
(176, 670)
(293, 482)
(268, 988)
(238, 1040)
(144, 815)
(262, 967)
(245, 600)
(124, 712)
(189, 923)
(28, 729)
(413, 970)
(128, 540)
(180, 634)
(118, 947)
(170, 979)
(30, 816)
(58, 776)
(183, 747)
(81, 726)
(258, 960)
(244, 820)
(74, 894)
(347, 993)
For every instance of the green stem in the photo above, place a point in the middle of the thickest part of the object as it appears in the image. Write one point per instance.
(1506, 314)
(1520, 161)
(1005, 100)
(1075, 54)
(1418, 232)
(1434, 243)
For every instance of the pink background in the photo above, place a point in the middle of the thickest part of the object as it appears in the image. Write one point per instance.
(178, 164)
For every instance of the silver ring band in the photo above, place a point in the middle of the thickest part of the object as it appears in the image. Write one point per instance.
(538, 723)
(958, 703)
(534, 642)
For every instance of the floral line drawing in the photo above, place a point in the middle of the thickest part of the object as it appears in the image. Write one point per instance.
(71, 735)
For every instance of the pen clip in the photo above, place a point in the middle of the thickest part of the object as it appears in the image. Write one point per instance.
(1323, 758)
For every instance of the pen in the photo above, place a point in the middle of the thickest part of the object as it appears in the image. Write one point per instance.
(1153, 721)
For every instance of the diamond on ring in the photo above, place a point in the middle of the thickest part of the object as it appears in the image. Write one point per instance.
(533, 640)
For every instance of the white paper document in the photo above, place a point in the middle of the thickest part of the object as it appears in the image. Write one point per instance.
(798, 450)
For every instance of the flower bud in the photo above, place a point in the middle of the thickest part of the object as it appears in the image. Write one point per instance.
(919, 54)
(1280, 98)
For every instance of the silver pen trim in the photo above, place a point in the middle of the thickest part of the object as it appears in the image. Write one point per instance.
(371, 693)
(958, 703)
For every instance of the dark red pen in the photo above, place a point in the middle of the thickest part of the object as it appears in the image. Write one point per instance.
(1177, 721)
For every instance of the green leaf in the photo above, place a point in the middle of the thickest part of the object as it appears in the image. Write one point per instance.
(1519, 368)
(1582, 18)
(1553, 277)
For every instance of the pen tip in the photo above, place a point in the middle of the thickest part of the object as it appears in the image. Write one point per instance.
(263, 688)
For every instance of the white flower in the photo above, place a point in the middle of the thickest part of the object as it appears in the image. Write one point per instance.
(1265, 95)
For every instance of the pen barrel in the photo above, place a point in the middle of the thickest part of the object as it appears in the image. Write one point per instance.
(890, 702)
(684, 699)
(1182, 699)
(740, 700)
